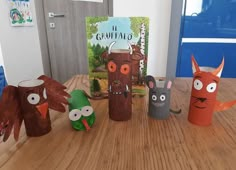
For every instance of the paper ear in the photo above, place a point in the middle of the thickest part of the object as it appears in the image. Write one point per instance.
(150, 82)
(217, 72)
(169, 84)
(195, 66)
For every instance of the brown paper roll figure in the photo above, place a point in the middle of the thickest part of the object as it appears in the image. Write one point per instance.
(119, 83)
(30, 101)
(136, 56)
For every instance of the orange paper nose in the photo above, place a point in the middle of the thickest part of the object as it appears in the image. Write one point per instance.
(84, 121)
(43, 109)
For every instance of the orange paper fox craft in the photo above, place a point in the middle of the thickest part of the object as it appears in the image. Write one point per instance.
(204, 91)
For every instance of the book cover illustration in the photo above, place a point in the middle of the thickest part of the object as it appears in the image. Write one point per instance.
(123, 33)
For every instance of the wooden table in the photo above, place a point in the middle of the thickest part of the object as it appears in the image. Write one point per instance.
(141, 143)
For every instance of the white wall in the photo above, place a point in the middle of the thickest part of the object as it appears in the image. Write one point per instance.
(20, 48)
(159, 12)
(1, 57)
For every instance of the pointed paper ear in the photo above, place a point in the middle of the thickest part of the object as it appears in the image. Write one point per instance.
(195, 66)
(217, 72)
(150, 82)
(169, 84)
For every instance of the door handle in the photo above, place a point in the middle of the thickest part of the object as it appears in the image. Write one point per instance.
(52, 15)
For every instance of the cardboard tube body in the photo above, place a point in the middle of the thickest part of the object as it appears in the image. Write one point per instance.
(203, 98)
(32, 95)
(159, 99)
(119, 85)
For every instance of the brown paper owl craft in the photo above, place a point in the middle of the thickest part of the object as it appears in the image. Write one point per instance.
(30, 101)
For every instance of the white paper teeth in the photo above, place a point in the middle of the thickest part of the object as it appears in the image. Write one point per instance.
(127, 88)
(110, 88)
(117, 93)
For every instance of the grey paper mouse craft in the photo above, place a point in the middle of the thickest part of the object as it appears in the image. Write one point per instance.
(159, 98)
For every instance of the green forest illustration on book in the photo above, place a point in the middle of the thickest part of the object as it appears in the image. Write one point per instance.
(101, 32)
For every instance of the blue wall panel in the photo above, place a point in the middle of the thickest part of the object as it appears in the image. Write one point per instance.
(208, 54)
(208, 19)
(213, 19)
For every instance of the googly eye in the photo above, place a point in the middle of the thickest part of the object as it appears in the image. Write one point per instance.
(125, 69)
(44, 94)
(154, 97)
(75, 114)
(111, 66)
(197, 84)
(87, 110)
(162, 97)
(33, 98)
(211, 87)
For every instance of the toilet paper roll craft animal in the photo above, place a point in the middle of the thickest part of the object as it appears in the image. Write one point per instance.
(119, 83)
(159, 98)
(136, 58)
(81, 114)
(30, 101)
(203, 101)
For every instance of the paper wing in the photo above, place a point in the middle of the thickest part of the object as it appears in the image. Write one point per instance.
(56, 94)
(10, 113)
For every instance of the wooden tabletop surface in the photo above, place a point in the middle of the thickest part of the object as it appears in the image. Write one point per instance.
(140, 143)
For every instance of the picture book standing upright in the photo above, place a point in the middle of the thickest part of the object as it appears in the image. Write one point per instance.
(117, 56)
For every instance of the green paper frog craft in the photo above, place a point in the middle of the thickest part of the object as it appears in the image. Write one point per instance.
(81, 114)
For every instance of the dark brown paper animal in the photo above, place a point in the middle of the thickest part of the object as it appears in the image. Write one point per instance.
(136, 56)
(30, 101)
(119, 83)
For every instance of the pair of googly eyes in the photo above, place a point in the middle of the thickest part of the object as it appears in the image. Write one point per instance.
(34, 98)
(162, 97)
(124, 69)
(198, 85)
(76, 114)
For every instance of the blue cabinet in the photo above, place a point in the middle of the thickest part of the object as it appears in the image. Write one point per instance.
(208, 31)
(3, 81)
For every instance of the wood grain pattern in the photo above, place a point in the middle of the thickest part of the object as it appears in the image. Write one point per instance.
(140, 143)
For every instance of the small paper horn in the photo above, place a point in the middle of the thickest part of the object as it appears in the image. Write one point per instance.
(131, 49)
(110, 46)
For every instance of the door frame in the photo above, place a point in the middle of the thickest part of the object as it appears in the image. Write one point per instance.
(43, 37)
(174, 37)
